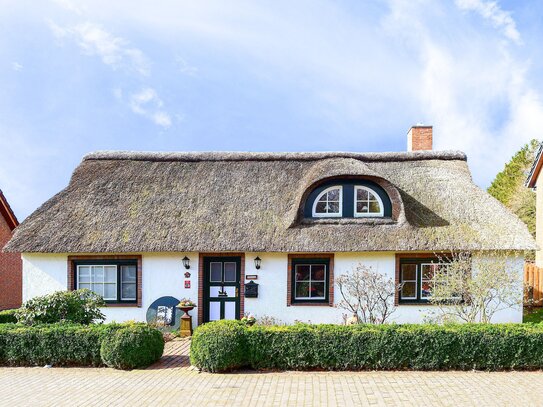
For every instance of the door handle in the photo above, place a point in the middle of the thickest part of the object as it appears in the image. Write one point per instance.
(237, 292)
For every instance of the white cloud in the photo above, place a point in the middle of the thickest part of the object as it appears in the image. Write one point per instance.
(70, 6)
(96, 41)
(17, 66)
(147, 103)
(475, 91)
(184, 67)
(491, 11)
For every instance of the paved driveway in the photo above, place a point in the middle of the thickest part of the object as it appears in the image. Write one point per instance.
(173, 382)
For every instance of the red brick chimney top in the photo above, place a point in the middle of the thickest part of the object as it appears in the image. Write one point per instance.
(419, 138)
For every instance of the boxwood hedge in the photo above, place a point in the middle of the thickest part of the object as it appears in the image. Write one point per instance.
(70, 345)
(230, 344)
(132, 347)
(8, 316)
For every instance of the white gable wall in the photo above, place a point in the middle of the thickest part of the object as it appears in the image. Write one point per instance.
(163, 275)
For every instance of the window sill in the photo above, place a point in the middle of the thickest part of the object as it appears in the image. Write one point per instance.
(122, 305)
(310, 304)
(348, 221)
(410, 304)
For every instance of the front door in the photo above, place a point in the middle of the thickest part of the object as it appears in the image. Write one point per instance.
(221, 288)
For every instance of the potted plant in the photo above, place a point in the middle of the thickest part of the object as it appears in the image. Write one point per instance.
(186, 305)
(249, 319)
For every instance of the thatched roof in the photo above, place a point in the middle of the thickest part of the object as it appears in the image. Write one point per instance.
(163, 202)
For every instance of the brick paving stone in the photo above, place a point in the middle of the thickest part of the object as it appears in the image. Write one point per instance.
(173, 381)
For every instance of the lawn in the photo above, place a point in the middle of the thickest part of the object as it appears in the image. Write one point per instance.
(535, 316)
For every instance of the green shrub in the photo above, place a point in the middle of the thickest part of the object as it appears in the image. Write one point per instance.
(78, 307)
(219, 346)
(55, 344)
(133, 346)
(8, 316)
(74, 345)
(358, 347)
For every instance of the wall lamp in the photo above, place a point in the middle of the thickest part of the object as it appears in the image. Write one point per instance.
(186, 262)
(258, 260)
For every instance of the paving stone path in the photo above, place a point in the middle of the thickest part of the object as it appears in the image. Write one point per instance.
(173, 382)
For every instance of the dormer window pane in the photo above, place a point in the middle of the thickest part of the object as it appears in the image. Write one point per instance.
(328, 203)
(367, 203)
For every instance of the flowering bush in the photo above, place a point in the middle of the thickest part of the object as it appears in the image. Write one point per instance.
(249, 319)
(78, 307)
(186, 302)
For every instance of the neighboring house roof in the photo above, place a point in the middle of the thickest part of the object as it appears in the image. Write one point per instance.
(536, 168)
(7, 213)
(179, 202)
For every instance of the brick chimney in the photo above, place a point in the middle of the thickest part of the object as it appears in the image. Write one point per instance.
(419, 138)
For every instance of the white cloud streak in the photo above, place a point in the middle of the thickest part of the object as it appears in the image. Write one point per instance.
(475, 91)
(490, 10)
(147, 103)
(114, 51)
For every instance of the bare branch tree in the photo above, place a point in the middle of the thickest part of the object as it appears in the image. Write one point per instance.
(367, 294)
(474, 288)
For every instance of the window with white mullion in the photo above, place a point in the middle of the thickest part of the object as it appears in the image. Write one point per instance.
(409, 279)
(367, 202)
(329, 203)
(102, 279)
(128, 282)
(310, 281)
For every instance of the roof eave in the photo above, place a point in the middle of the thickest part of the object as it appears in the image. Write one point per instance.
(536, 168)
(7, 212)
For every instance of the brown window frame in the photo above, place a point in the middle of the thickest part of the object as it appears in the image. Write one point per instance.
(73, 261)
(292, 259)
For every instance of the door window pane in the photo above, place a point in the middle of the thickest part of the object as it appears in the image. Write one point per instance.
(214, 310)
(230, 310)
(230, 271)
(215, 273)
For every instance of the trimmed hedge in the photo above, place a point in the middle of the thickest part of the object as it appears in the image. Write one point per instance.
(63, 344)
(360, 347)
(8, 316)
(219, 346)
(132, 347)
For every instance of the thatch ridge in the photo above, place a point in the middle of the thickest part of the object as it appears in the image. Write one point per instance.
(264, 156)
(118, 202)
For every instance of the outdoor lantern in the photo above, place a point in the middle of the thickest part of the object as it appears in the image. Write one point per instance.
(186, 262)
(257, 262)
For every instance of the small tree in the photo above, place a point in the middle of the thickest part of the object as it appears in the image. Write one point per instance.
(79, 307)
(473, 289)
(367, 294)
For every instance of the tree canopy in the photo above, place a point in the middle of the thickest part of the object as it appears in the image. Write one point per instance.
(508, 186)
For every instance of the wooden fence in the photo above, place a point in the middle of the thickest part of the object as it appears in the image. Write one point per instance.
(533, 278)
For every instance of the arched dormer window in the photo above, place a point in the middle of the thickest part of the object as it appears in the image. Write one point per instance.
(329, 203)
(367, 202)
(349, 198)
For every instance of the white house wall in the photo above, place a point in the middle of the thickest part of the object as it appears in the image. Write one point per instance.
(163, 275)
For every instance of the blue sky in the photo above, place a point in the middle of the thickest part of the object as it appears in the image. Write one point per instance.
(273, 75)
